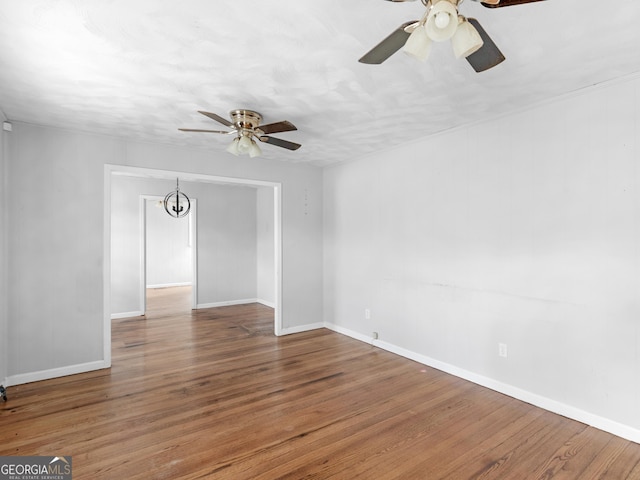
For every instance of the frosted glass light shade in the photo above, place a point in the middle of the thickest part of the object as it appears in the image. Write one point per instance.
(442, 21)
(244, 144)
(233, 147)
(254, 150)
(466, 40)
(418, 45)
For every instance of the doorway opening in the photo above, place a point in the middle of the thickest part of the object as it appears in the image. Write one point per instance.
(273, 191)
(168, 254)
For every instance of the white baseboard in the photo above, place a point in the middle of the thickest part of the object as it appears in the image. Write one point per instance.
(115, 316)
(301, 328)
(227, 303)
(138, 313)
(167, 285)
(348, 333)
(545, 403)
(55, 373)
(266, 303)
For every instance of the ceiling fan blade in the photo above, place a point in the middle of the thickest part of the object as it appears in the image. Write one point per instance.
(217, 118)
(279, 142)
(489, 55)
(388, 46)
(508, 3)
(284, 126)
(207, 131)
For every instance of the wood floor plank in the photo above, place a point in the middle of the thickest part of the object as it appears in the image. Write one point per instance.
(213, 394)
(606, 457)
(487, 449)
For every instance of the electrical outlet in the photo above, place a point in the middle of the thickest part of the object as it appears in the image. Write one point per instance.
(502, 350)
(375, 335)
(367, 314)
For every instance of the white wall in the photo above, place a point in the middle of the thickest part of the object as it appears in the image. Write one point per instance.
(169, 249)
(226, 244)
(523, 230)
(3, 255)
(126, 263)
(265, 246)
(55, 240)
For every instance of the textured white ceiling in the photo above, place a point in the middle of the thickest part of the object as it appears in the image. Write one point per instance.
(142, 68)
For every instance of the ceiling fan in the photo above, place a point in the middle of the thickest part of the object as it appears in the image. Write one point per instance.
(245, 124)
(441, 22)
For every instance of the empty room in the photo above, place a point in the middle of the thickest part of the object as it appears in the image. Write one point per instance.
(368, 239)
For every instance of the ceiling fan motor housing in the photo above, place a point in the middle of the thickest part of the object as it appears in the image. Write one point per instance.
(245, 119)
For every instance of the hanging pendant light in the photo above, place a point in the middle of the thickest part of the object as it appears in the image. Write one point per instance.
(175, 203)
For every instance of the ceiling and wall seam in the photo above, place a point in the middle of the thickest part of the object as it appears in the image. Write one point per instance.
(550, 101)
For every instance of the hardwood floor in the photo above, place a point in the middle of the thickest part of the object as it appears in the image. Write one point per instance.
(214, 394)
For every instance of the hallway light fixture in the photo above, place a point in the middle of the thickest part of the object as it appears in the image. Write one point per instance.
(176, 201)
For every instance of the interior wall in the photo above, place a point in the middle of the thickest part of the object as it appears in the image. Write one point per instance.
(265, 247)
(55, 240)
(169, 250)
(55, 243)
(4, 258)
(226, 244)
(125, 242)
(523, 230)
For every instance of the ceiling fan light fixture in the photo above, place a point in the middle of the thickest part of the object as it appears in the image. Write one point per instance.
(254, 150)
(466, 40)
(442, 21)
(244, 144)
(418, 45)
(233, 147)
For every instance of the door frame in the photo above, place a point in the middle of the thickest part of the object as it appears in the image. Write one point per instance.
(193, 238)
(111, 170)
